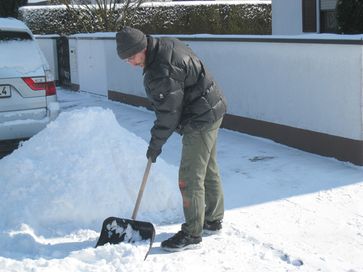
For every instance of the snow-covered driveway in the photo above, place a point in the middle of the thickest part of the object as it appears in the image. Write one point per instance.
(286, 210)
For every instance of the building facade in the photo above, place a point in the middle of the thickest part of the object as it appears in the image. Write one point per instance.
(303, 16)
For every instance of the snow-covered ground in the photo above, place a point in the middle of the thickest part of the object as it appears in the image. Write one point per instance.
(286, 210)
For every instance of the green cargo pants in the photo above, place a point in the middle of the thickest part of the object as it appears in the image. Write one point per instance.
(199, 179)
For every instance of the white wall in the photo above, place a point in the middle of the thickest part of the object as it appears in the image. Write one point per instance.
(316, 87)
(92, 70)
(48, 45)
(120, 75)
(96, 67)
(88, 65)
(286, 17)
(310, 86)
(73, 61)
(313, 84)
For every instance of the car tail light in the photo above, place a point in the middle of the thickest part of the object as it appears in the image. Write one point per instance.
(39, 84)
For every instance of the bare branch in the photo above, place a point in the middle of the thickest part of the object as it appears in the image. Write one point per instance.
(101, 15)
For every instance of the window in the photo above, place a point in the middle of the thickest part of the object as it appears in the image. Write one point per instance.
(14, 35)
(328, 20)
(309, 15)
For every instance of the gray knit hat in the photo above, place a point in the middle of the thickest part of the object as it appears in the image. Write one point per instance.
(129, 42)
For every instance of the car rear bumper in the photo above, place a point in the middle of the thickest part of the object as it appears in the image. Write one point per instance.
(27, 128)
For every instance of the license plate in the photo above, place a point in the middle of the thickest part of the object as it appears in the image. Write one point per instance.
(5, 91)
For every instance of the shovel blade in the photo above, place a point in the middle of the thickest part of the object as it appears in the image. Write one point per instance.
(117, 230)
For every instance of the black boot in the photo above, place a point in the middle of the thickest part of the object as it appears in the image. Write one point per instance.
(212, 226)
(180, 241)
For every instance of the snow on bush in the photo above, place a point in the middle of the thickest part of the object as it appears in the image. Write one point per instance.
(234, 17)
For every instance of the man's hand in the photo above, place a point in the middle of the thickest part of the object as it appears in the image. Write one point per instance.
(152, 154)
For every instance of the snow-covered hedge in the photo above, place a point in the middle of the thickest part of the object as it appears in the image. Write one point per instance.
(237, 17)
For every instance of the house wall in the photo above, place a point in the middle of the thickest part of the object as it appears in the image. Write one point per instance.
(286, 17)
(48, 44)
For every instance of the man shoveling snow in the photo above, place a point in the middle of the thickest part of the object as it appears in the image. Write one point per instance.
(186, 99)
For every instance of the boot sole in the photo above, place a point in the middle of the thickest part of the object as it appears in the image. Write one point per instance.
(177, 249)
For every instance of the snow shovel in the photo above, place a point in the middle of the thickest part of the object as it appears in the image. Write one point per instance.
(116, 230)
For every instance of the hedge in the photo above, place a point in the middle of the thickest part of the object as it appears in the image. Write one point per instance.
(161, 18)
(350, 16)
(9, 8)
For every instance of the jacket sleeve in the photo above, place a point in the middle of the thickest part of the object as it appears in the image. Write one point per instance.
(166, 95)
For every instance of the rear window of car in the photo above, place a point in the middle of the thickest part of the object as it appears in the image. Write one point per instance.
(14, 35)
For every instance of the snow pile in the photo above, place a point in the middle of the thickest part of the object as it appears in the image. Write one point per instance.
(81, 169)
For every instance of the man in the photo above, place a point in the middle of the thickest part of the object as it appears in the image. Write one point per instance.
(185, 99)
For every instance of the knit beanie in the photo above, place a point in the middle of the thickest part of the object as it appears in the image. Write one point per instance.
(129, 42)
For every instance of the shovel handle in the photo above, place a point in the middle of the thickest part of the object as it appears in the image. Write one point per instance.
(141, 190)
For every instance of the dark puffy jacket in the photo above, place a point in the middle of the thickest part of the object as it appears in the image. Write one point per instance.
(180, 89)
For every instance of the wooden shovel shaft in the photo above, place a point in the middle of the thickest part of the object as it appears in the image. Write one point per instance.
(141, 191)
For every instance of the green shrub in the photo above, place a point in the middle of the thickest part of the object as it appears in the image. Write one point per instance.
(350, 16)
(154, 18)
(9, 8)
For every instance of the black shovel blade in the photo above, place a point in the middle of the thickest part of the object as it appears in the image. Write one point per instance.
(116, 230)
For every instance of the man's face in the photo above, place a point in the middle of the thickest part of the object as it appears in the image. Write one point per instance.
(138, 59)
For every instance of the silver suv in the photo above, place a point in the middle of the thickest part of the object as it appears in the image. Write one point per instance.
(28, 100)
